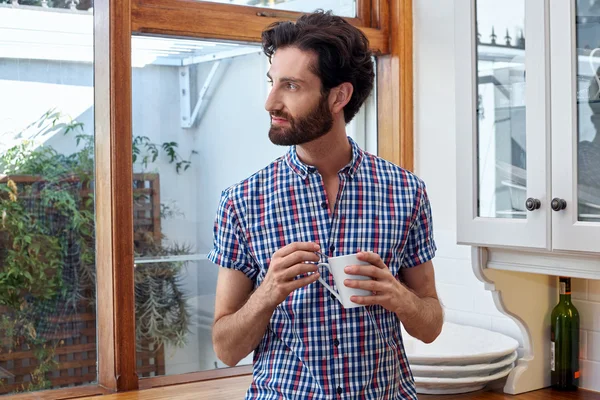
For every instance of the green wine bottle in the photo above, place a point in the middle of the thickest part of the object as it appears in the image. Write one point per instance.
(564, 364)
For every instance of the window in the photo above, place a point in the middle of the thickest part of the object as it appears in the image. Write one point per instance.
(198, 106)
(47, 235)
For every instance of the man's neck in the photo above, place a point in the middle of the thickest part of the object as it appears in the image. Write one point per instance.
(329, 153)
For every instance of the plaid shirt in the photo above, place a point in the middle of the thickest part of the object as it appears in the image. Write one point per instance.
(313, 348)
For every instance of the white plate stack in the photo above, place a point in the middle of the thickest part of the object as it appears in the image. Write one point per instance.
(462, 359)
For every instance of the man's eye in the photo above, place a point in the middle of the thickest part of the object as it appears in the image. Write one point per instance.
(292, 86)
(270, 82)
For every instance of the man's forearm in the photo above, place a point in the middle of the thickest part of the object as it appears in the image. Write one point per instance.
(423, 319)
(238, 334)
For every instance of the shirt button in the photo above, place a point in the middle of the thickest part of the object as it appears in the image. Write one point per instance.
(332, 296)
(340, 390)
(332, 248)
(336, 342)
(324, 205)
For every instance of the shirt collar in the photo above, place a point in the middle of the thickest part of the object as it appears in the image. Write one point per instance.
(303, 169)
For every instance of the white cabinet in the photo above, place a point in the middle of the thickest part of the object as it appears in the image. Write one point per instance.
(528, 157)
(527, 112)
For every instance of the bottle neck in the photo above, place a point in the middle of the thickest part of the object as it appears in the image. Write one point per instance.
(564, 287)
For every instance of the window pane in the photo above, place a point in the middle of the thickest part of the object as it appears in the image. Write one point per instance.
(588, 111)
(47, 245)
(343, 8)
(199, 126)
(501, 107)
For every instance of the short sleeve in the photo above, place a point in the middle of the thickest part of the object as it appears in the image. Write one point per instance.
(229, 247)
(420, 246)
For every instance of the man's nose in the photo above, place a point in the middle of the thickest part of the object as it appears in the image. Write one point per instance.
(273, 103)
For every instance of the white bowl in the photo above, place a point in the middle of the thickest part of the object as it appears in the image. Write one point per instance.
(461, 371)
(457, 385)
(459, 345)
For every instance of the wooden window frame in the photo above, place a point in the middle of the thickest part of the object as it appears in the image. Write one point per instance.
(387, 24)
(209, 20)
(395, 103)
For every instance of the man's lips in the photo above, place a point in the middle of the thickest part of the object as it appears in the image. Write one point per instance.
(279, 121)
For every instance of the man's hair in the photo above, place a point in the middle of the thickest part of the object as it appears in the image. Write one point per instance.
(342, 50)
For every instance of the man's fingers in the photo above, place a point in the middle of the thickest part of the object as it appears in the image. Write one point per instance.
(365, 270)
(300, 269)
(299, 257)
(307, 280)
(367, 300)
(296, 246)
(368, 284)
(371, 258)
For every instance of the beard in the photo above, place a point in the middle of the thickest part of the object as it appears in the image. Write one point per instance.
(305, 129)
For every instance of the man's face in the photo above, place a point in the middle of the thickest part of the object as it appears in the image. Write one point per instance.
(299, 111)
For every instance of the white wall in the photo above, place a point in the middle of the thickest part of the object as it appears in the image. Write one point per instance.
(30, 88)
(464, 298)
(586, 297)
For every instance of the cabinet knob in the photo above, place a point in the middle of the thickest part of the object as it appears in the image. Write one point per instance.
(558, 204)
(533, 204)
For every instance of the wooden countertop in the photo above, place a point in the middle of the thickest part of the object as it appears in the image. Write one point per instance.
(235, 388)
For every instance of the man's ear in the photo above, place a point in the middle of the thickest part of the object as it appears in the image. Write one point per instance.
(340, 96)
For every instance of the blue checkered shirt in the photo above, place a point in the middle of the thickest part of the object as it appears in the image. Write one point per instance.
(313, 348)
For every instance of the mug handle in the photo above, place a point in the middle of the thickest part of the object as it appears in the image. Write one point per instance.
(337, 296)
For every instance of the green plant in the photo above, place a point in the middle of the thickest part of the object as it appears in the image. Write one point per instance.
(47, 248)
(145, 152)
(24, 332)
(32, 261)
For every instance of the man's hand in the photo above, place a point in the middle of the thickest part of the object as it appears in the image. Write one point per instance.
(242, 316)
(416, 304)
(286, 264)
(387, 291)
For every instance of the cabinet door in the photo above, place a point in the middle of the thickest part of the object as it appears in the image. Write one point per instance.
(502, 111)
(575, 66)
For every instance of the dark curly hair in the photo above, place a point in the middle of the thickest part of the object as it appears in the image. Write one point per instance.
(342, 50)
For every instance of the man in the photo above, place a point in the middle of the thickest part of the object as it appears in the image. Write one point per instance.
(326, 197)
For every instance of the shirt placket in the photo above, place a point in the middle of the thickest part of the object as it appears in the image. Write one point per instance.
(333, 221)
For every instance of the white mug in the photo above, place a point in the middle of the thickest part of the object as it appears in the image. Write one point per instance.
(336, 266)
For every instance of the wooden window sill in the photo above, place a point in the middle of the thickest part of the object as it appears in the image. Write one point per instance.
(235, 388)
